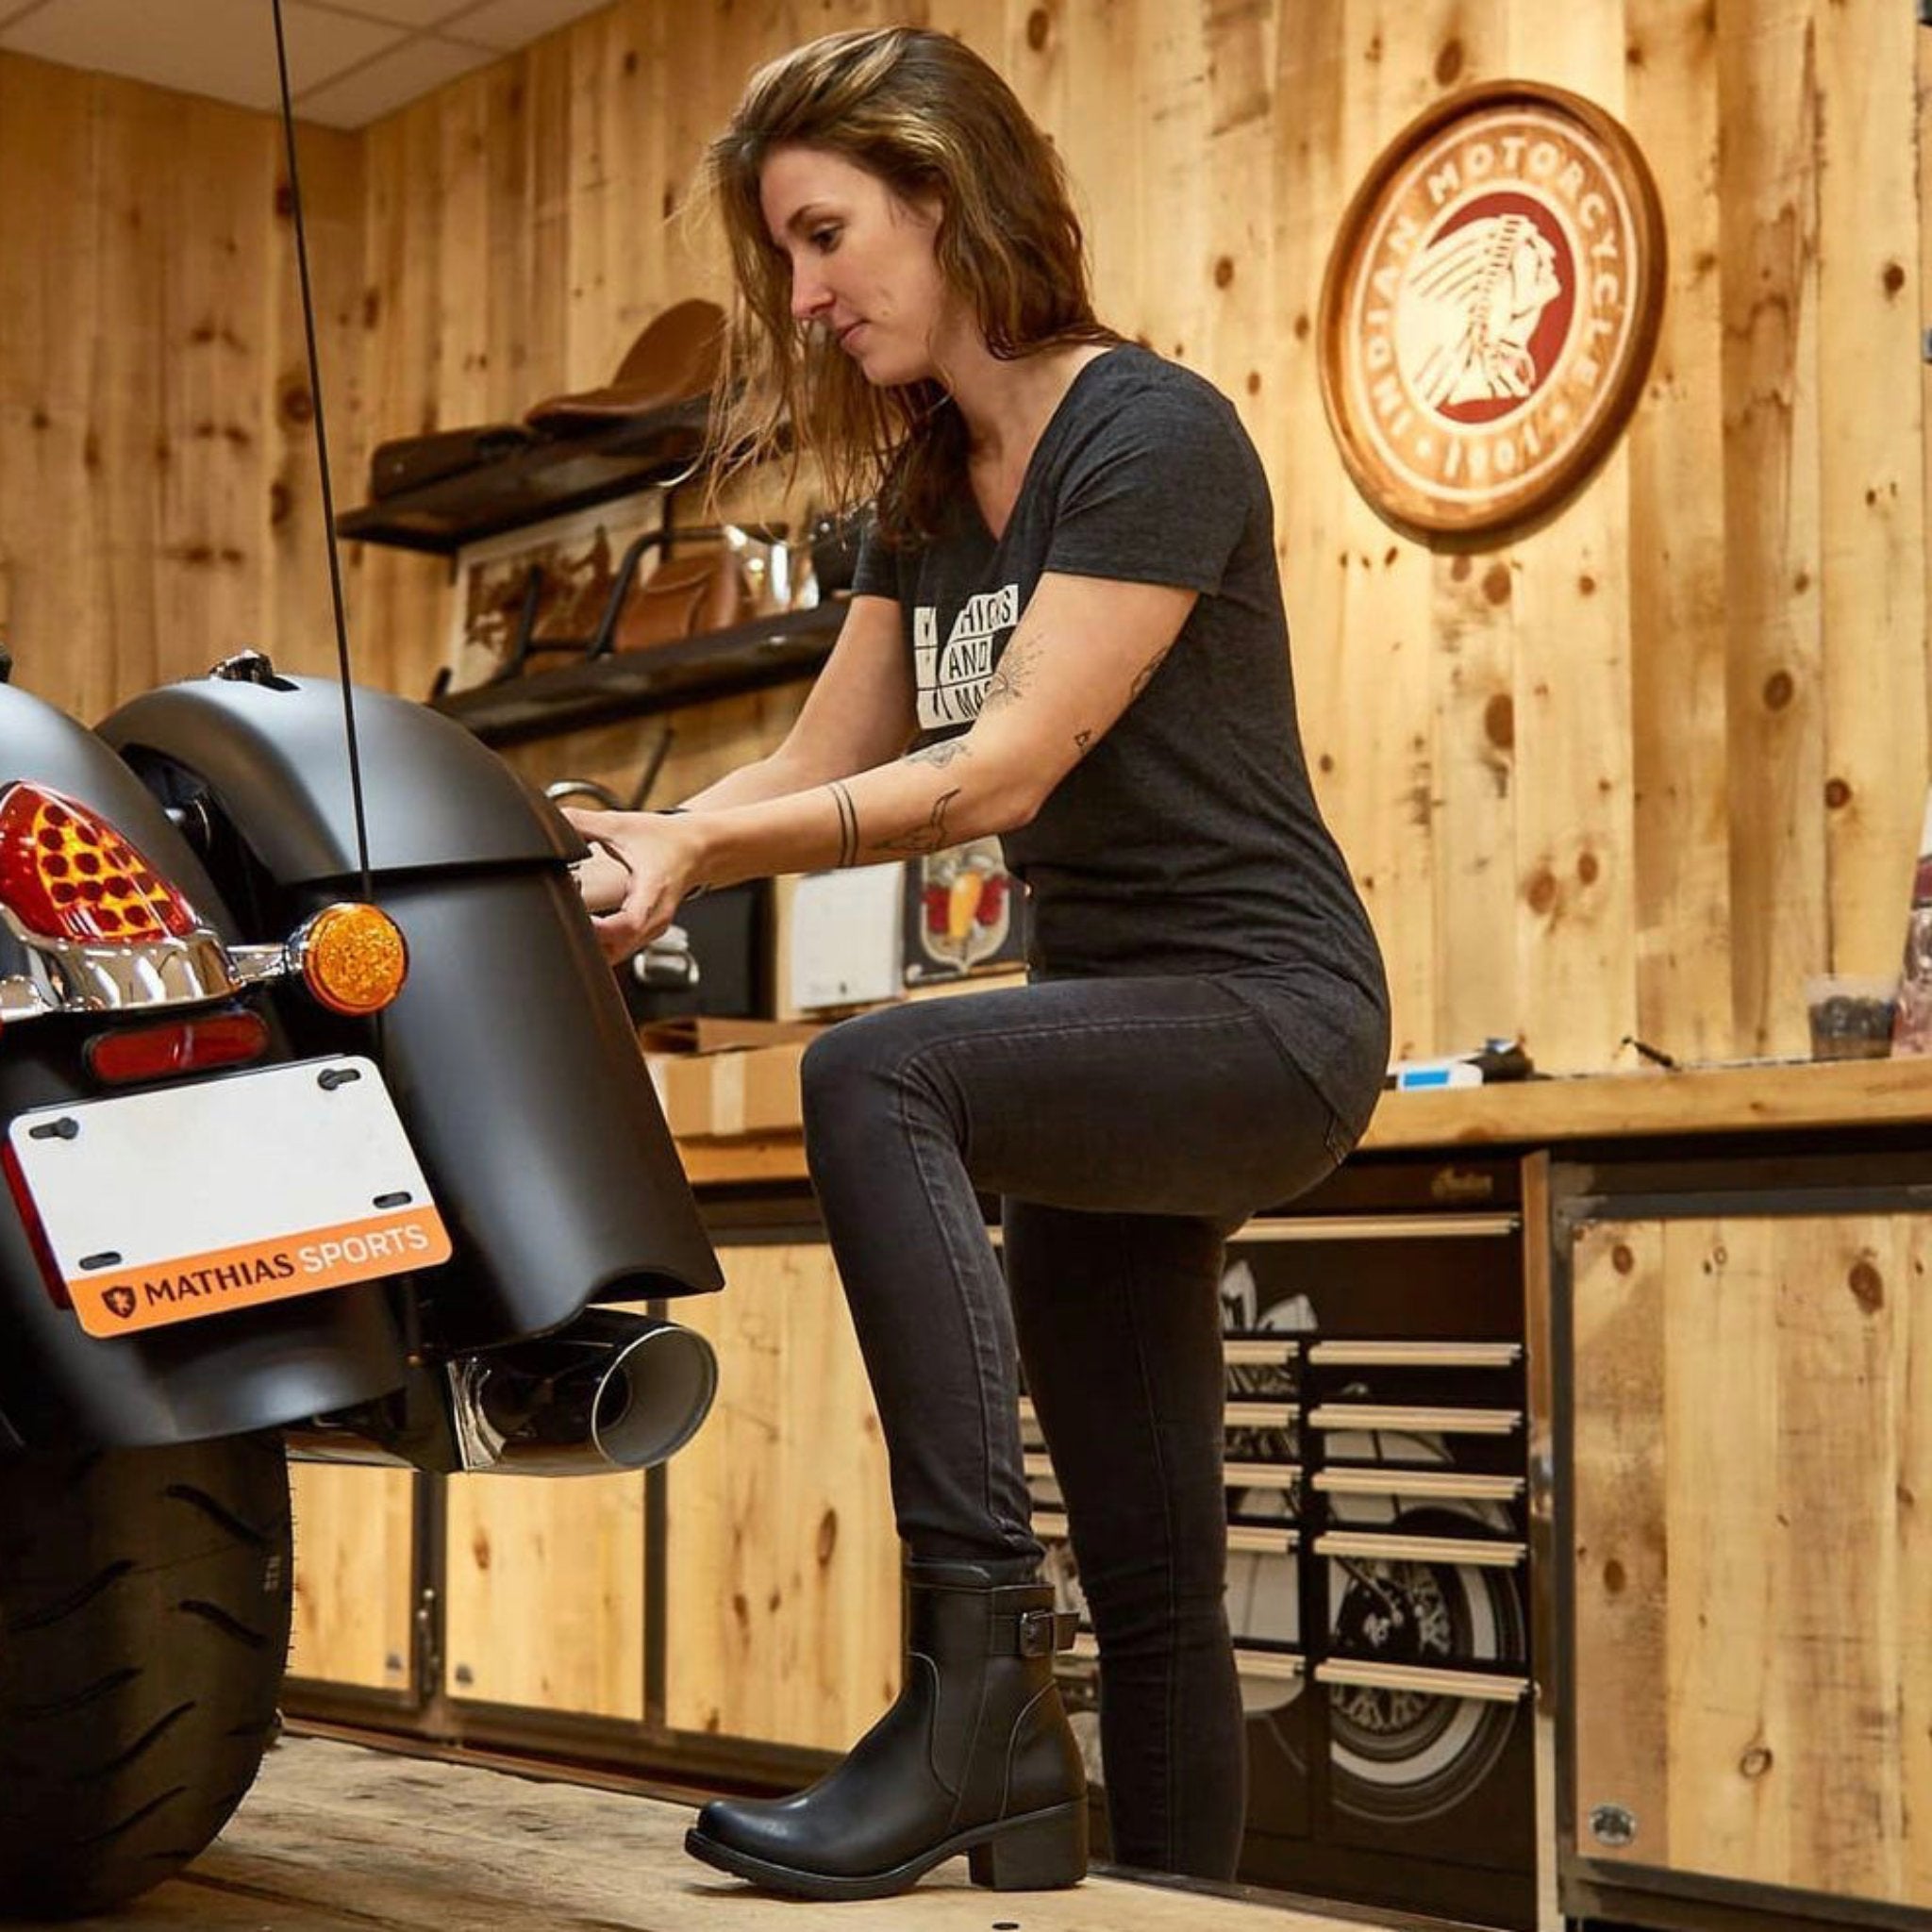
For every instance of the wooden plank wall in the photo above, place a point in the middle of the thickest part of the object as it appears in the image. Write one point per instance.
(158, 495)
(1642, 770)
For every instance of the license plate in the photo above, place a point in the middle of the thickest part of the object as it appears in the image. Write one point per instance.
(189, 1201)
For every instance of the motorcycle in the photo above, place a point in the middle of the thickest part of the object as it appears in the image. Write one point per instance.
(325, 1132)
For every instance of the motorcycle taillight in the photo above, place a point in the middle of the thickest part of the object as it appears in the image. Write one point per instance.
(66, 874)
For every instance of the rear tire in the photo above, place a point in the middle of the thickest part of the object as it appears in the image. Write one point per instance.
(145, 1605)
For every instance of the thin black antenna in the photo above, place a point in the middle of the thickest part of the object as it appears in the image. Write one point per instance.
(328, 501)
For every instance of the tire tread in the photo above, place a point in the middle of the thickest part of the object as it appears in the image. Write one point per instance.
(145, 1597)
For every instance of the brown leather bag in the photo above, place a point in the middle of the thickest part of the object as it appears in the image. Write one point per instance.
(684, 597)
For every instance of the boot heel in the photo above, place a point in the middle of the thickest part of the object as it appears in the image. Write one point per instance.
(1042, 1853)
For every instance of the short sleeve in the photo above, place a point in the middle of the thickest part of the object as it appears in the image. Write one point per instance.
(877, 572)
(1158, 492)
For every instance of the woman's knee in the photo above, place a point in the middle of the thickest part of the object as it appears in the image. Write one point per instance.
(861, 1068)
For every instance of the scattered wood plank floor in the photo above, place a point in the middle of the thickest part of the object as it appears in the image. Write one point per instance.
(336, 1838)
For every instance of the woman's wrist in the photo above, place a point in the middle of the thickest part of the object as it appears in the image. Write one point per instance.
(698, 850)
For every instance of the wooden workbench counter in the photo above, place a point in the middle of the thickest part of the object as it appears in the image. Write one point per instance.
(1763, 1095)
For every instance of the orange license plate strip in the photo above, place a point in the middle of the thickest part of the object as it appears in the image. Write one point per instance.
(191, 1286)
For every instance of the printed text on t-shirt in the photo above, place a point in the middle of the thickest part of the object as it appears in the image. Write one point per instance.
(953, 681)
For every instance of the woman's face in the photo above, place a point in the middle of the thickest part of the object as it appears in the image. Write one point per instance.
(862, 263)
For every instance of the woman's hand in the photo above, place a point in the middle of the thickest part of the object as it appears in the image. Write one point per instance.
(659, 851)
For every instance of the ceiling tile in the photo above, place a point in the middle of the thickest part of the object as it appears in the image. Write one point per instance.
(410, 13)
(388, 82)
(507, 23)
(224, 48)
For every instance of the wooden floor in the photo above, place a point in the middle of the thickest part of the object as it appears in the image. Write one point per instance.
(338, 1838)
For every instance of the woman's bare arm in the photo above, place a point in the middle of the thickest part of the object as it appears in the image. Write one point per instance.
(1083, 650)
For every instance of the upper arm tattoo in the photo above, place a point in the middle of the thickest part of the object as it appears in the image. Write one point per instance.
(1016, 667)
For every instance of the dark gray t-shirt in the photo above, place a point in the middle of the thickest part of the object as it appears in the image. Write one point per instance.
(1187, 840)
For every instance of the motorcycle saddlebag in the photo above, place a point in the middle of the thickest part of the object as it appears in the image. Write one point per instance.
(510, 1053)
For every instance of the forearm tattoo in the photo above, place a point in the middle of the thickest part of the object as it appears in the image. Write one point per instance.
(941, 753)
(1015, 668)
(848, 824)
(930, 837)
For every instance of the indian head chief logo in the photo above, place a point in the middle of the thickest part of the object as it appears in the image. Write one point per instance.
(1490, 306)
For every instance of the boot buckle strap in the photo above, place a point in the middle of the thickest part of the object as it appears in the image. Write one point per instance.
(1035, 1633)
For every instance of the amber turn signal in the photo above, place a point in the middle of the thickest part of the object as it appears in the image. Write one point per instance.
(352, 958)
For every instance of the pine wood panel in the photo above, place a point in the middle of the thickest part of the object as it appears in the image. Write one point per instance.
(354, 1594)
(159, 506)
(1767, 185)
(1870, 497)
(1681, 825)
(1619, 1548)
(1576, 978)
(1751, 1680)
(1654, 804)
(782, 1618)
(545, 1582)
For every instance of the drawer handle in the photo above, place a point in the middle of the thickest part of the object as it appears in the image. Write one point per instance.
(1250, 1538)
(1283, 1665)
(1441, 1421)
(1416, 1678)
(1379, 1227)
(1255, 1540)
(1261, 1475)
(1258, 1415)
(1280, 1664)
(1397, 1481)
(1417, 1355)
(1420, 1548)
(1251, 1354)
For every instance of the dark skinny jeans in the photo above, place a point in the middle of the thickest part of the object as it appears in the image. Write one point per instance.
(1127, 1124)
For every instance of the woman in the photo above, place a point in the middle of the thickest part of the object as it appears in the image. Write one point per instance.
(1068, 609)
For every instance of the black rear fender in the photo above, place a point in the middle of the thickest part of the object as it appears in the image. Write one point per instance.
(510, 1054)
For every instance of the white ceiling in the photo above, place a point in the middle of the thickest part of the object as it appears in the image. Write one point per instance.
(350, 61)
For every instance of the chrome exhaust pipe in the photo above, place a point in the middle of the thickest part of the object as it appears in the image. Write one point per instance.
(610, 1390)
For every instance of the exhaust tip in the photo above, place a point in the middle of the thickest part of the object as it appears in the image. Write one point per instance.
(655, 1397)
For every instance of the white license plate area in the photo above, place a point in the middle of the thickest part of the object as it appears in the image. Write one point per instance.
(197, 1199)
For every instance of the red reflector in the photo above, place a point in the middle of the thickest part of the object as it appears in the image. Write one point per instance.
(66, 874)
(186, 1046)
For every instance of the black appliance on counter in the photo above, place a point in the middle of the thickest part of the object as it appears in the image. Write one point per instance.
(725, 967)
(1378, 1584)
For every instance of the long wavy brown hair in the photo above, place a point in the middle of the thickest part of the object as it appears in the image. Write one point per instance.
(932, 121)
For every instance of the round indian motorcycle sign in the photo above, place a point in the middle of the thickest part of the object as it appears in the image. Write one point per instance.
(1490, 306)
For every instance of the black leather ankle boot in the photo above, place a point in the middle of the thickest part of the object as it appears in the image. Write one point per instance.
(975, 1756)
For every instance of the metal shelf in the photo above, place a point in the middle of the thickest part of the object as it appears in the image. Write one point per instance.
(550, 477)
(628, 684)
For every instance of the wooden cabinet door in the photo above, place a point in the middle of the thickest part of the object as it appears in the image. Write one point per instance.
(1752, 1529)
(545, 1592)
(781, 1587)
(355, 1576)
